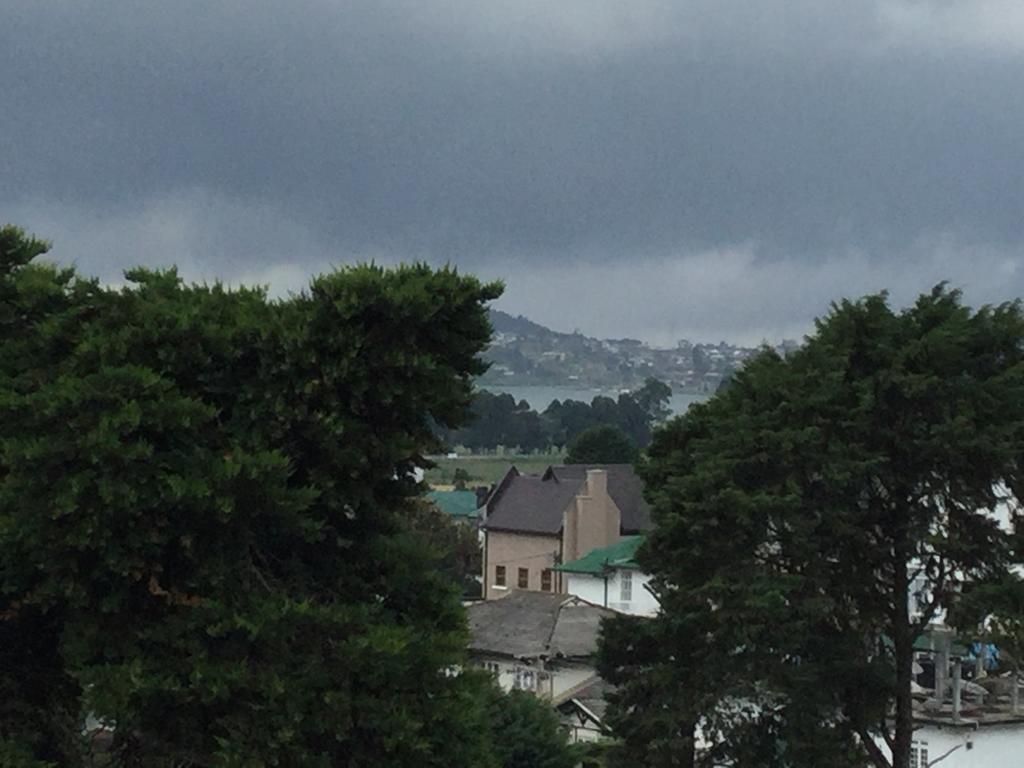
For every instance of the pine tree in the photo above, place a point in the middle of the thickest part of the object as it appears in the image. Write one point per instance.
(796, 508)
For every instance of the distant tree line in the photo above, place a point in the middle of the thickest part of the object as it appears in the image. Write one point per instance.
(499, 420)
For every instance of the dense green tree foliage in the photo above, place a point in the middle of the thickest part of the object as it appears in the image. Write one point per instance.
(459, 479)
(498, 420)
(602, 445)
(795, 509)
(634, 413)
(653, 398)
(455, 545)
(201, 535)
(527, 733)
(654, 708)
(39, 698)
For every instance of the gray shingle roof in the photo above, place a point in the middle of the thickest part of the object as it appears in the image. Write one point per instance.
(531, 504)
(577, 629)
(534, 624)
(624, 486)
(591, 694)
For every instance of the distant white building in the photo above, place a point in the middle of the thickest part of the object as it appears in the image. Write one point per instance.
(609, 577)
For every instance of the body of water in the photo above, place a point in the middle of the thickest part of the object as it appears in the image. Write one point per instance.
(540, 398)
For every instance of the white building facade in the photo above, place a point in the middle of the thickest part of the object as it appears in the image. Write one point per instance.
(610, 578)
(967, 745)
(624, 590)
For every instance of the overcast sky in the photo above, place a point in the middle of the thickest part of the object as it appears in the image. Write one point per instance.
(706, 168)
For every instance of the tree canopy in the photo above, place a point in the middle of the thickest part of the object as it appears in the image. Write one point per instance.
(527, 733)
(201, 540)
(455, 545)
(604, 444)
(657, 676)
(798, 509)
(498, 420)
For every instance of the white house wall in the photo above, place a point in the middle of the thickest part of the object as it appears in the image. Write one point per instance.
(990, 746)
(550, 682)
(589, 588)
(592, 589)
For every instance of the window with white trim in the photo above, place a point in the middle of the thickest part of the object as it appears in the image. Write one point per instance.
(919, 754)
(625, 586)
(525, 679)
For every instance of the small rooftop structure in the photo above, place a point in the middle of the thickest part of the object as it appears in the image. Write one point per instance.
(947, 696)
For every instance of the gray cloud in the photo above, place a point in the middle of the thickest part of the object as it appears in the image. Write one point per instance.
(703, 167)
(733, 294)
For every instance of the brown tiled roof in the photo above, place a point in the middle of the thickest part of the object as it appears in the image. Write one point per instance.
(624, 486)
(535, 624)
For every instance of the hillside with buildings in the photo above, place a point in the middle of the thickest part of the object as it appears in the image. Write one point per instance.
(523, 352)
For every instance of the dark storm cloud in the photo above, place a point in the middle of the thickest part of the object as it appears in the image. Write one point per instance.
(679, 160)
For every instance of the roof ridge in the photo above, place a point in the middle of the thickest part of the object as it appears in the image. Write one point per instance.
(554, 624)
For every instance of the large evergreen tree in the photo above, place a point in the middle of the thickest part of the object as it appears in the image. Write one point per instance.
(659, 676)
(200, 493)
(795, 510)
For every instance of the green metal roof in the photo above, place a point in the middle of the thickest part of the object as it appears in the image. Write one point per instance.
(597, 561)
(455, 503)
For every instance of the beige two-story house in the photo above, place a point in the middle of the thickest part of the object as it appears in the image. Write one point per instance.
(536, 522)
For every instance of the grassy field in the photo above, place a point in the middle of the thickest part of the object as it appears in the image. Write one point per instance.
(484, 470)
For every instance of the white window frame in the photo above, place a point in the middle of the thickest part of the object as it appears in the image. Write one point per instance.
(525, 679)
(625, 586)
(919, 754)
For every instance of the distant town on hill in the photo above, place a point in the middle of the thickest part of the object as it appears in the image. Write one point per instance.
(524, 353)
